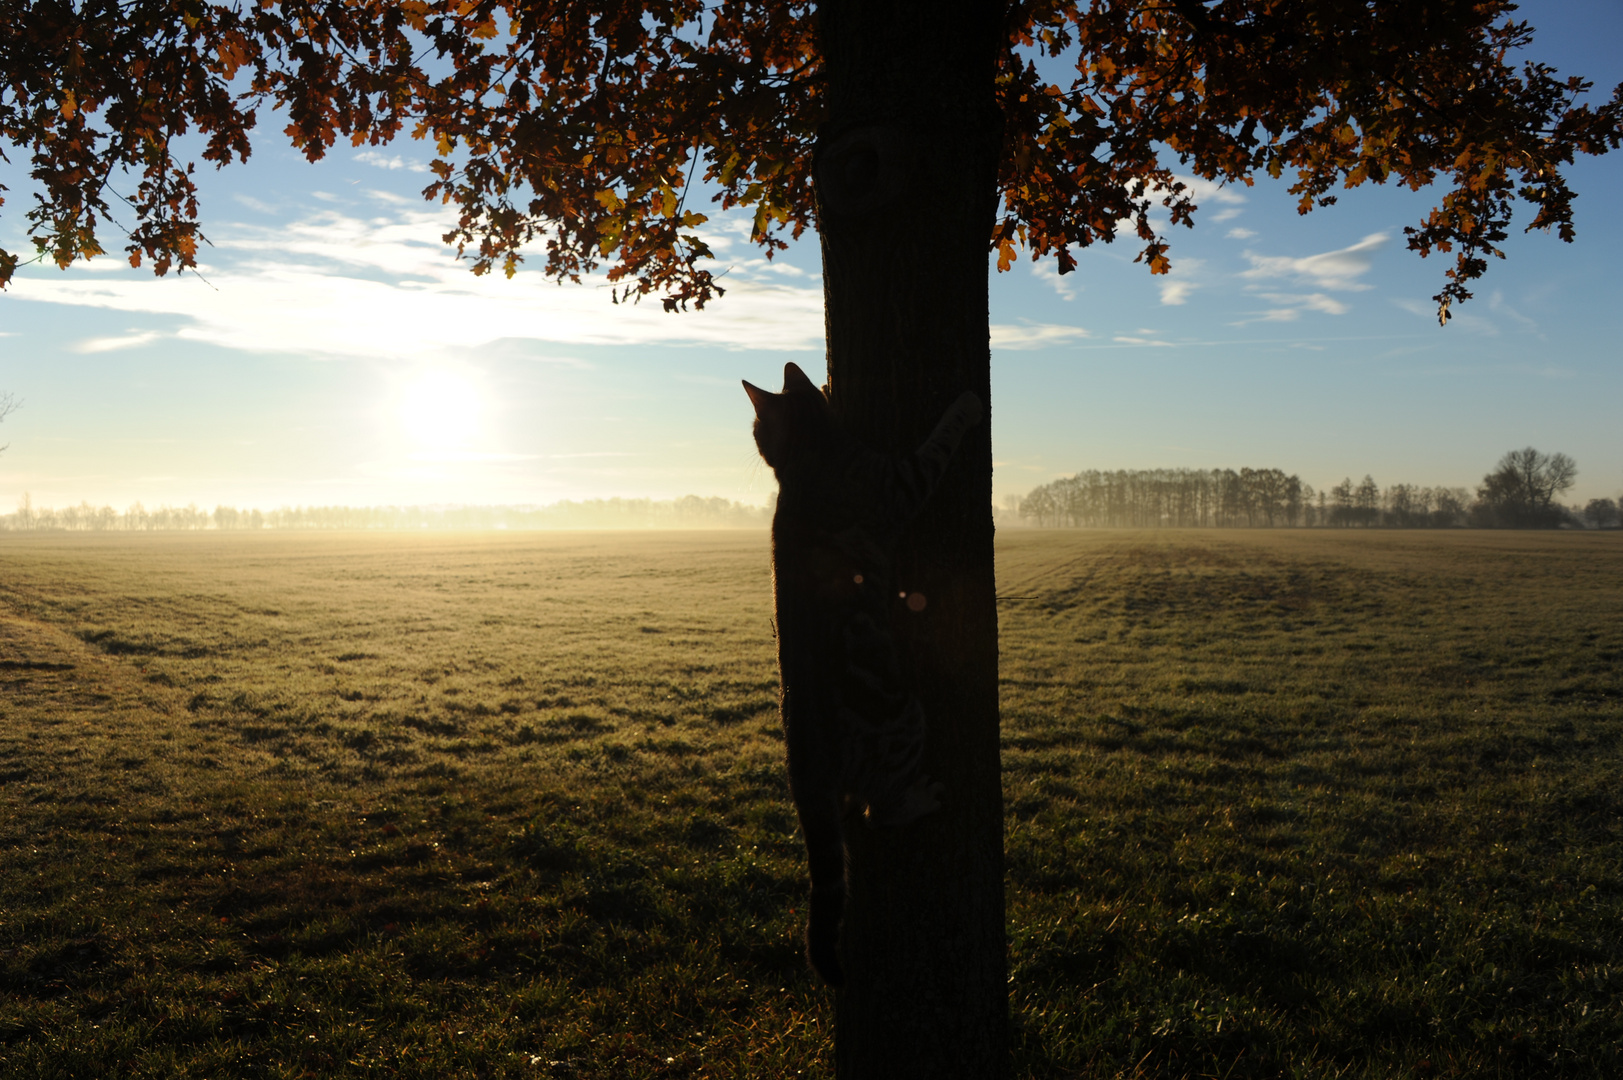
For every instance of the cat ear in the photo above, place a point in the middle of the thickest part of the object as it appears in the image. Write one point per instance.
(763, 400)
(795, 381)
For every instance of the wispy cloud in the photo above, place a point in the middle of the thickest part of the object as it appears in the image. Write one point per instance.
(1499, 305)
(1133, 339)
(1329, 270)
(1176, 292)
(334, 283)
(1238, 233)
(1337, 270)
(131, 340)
(1047, 272)
(1034, 335)
(1181, 281)
(1203, 193)
(1209, 191)
(1288, 307)
(389, 161)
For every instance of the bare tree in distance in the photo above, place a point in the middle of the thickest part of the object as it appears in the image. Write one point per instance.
(8, 405)
(1521, 490)
(1601, 513)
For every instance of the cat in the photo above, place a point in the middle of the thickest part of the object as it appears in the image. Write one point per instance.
(854, 731)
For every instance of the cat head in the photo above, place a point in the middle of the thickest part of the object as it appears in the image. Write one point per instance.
(792, 423)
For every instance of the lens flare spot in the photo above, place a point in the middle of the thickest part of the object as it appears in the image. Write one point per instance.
(916, 602)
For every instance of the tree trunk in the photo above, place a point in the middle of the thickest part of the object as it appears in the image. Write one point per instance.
(906, 182)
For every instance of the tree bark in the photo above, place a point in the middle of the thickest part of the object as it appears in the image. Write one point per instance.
(906, 183)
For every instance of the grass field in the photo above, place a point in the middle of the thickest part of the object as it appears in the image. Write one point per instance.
(1278, 803)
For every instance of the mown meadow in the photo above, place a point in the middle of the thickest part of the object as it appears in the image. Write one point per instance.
(1279, 803)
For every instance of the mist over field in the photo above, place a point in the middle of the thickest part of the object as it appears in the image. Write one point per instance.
(690, 512)
(1522, 491)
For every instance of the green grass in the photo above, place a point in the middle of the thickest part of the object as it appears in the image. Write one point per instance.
(1279, 803)
(1315, 804)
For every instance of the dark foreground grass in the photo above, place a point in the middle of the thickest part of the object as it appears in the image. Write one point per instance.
(1279, 805)
(1315, 804)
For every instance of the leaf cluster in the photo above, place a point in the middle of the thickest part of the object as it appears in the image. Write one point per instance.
(1338, 92)
(583, 126)
(98, 91)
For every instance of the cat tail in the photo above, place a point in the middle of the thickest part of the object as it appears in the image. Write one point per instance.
(825, 848)
(921, 470)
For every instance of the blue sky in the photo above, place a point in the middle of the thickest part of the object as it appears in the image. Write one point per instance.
(333, 351)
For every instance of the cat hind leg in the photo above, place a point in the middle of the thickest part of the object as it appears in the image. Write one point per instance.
(823, 934)
(825, 848)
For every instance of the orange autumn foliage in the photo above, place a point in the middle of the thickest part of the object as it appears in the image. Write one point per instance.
(580, 127)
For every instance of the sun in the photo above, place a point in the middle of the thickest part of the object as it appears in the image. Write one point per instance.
(441, 409)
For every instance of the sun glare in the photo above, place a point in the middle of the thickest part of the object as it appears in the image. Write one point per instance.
(441, 410)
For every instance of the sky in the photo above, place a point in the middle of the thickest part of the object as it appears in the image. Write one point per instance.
(333, 351)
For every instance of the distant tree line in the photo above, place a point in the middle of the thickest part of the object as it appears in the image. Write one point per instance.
(688, 512)
(1520, 492)
(1173, 498)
